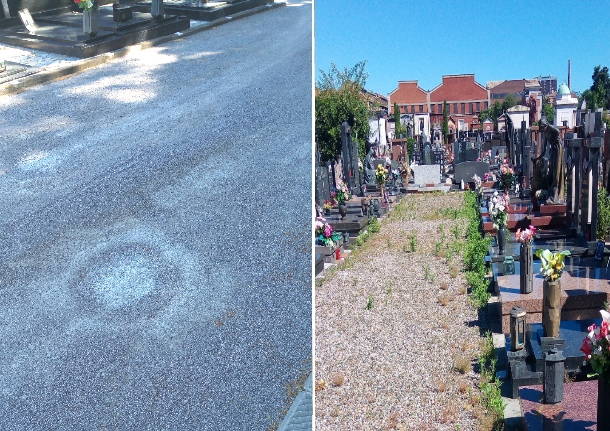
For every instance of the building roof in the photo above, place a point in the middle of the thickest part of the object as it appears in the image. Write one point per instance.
(458, 87)
(408, 92)
(518, 108)
(510, 86)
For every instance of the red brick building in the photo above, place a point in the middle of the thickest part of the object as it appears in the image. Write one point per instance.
(465, 99)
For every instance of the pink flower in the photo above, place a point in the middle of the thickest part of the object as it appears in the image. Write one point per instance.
(592, 328)
(587, 347)
(603, 331)
(328, 230)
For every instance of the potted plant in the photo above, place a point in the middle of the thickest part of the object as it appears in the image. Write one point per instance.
(325, 234)
(526, 273)
(327, 206)
(381, 175)
(603, 222)
(498, 206)
(342, 196)
(507, 177)
(596, 347)
(552, 265)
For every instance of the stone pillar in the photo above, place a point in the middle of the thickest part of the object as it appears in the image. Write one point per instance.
(156, 9)
(554, 368)
(5, 8)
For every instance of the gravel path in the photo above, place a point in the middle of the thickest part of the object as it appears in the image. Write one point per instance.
(154, 234)
(391, 365)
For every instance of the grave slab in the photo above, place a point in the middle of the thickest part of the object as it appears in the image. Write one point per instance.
(204, 11)
(62, 33)
(577, 411)
(572, 332)
(585, 287)
(15, 71)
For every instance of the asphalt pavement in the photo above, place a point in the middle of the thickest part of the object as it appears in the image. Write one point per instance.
(155, 261)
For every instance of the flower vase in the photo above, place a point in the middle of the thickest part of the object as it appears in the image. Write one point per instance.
(603, 401)
(551, 308)
(89, 22)
(526, 272)
(327, 211)
(501, 239)
(342, 209)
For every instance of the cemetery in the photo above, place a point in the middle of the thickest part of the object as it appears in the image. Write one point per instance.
(533, 256)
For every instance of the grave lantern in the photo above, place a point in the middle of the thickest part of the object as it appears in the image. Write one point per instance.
(517, 328)
(509, 265)
(554, 369)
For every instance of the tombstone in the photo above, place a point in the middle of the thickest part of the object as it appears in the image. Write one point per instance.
(427, 154)
(466, 170)
(322, 189)
(590, 154)
(349, 155)
(426, 174)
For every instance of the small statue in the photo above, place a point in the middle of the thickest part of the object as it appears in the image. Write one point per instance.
(369, 167)
(549, 167)
(531, 103)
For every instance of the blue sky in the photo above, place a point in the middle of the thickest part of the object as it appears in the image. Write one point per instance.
(495, 40)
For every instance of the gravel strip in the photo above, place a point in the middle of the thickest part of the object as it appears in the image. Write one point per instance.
(391, 366)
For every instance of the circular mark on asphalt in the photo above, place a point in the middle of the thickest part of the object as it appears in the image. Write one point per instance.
(129, 280)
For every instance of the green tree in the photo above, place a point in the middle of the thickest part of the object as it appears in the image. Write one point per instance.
(509, 102)
(598, 95)
(399, 129)
(445, 126)
(339, 99)
(549, 112)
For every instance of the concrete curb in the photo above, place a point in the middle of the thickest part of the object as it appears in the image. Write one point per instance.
(45, 76)
(300, 414)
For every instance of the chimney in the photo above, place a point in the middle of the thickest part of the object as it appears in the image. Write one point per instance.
(569, 75)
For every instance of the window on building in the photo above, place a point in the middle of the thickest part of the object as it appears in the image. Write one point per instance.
(455, 108)
(478, 106)
(470, 108)
(421, 108)
(463, 108)
(486, 105)
(412, 109)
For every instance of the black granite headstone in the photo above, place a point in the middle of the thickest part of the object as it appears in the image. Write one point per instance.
(466, 170)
